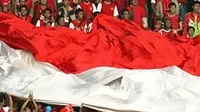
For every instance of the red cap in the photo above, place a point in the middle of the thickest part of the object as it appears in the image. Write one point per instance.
(5, 3)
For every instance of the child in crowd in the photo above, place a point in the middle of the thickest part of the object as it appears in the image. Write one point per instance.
(66, 11)
(108, 7)
(125, 14)
(39, 7)
(60, 21)
(174, 17)
(190, 32)
(26, 108)
(5, 5)
(24, 13)
(138, 13)
(79, 23)
(88, 7)
(192, 19)
(46, 19)
(168, 31)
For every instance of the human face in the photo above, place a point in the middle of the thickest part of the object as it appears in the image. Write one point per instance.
(168, 24)
(126, 15)
(61, 22)
(22, 2)
(66, 2)
(5, 8)
(43, 2)
(80, 15)
(48, 24)
(134, 2)
(196, 8)
(47, 14)
(172, 9)
(24, 11)
(191, 32)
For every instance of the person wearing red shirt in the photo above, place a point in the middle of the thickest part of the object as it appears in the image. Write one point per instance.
(175, 18)
(142, 3)
(39, 8)
(5, 5)
(108, 7)
(88, 7)
(138, 13)
(24, 14)
(79, 23)
(168, 31)
(192, 19)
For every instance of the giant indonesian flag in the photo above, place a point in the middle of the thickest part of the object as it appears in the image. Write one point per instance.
(118, 66)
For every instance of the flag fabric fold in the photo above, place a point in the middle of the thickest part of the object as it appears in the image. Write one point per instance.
(112, 43)
(168, 89)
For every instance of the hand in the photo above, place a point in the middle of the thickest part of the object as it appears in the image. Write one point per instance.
(30, 97)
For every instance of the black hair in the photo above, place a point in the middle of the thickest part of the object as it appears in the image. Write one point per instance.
(195, 2)
(79, 10)
(58, 18)
(48, 22)
(190, 27)
(124, 10)
(95, 14)
(23, 6)
(172, 4)
(47, 9)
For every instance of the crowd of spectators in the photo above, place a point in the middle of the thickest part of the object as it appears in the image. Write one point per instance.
(9, 103)
(164, 16)
(168, 17)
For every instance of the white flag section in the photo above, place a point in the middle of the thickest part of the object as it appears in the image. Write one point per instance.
(158, 90)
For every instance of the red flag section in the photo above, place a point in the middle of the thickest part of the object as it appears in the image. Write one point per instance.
(112, 43)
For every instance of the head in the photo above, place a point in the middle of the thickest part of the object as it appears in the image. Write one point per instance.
(125, 14)
(43, 2)
(5, 7)
(79, 14)
(48, 24)
(48, 108)
(172, 8)
(60, 20)
(22, 2)
(167, 23)
(66, 2)
(196, 6)
(47, 13)
(134, 2)
(95, 14)
(190, 31)
(23, 10)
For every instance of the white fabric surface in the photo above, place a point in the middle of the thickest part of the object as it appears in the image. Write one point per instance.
(158, 90)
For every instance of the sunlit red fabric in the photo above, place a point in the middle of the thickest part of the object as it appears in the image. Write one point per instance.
(113, 43)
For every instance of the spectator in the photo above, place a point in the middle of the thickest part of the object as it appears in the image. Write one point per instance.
(155, 19)
(24, 13)
(60, 21)
(88, 7)
(167, 31)
(162, 7)
(45, 18)
(190, 32)
(25, 107)
(4, 108)
(108, 7)
(5, 5)
(192, 19)
(175, 18)
(125, 14)
(138, 14)
(66, 11)
(182, 8)
(79, 23)
(39, 7)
